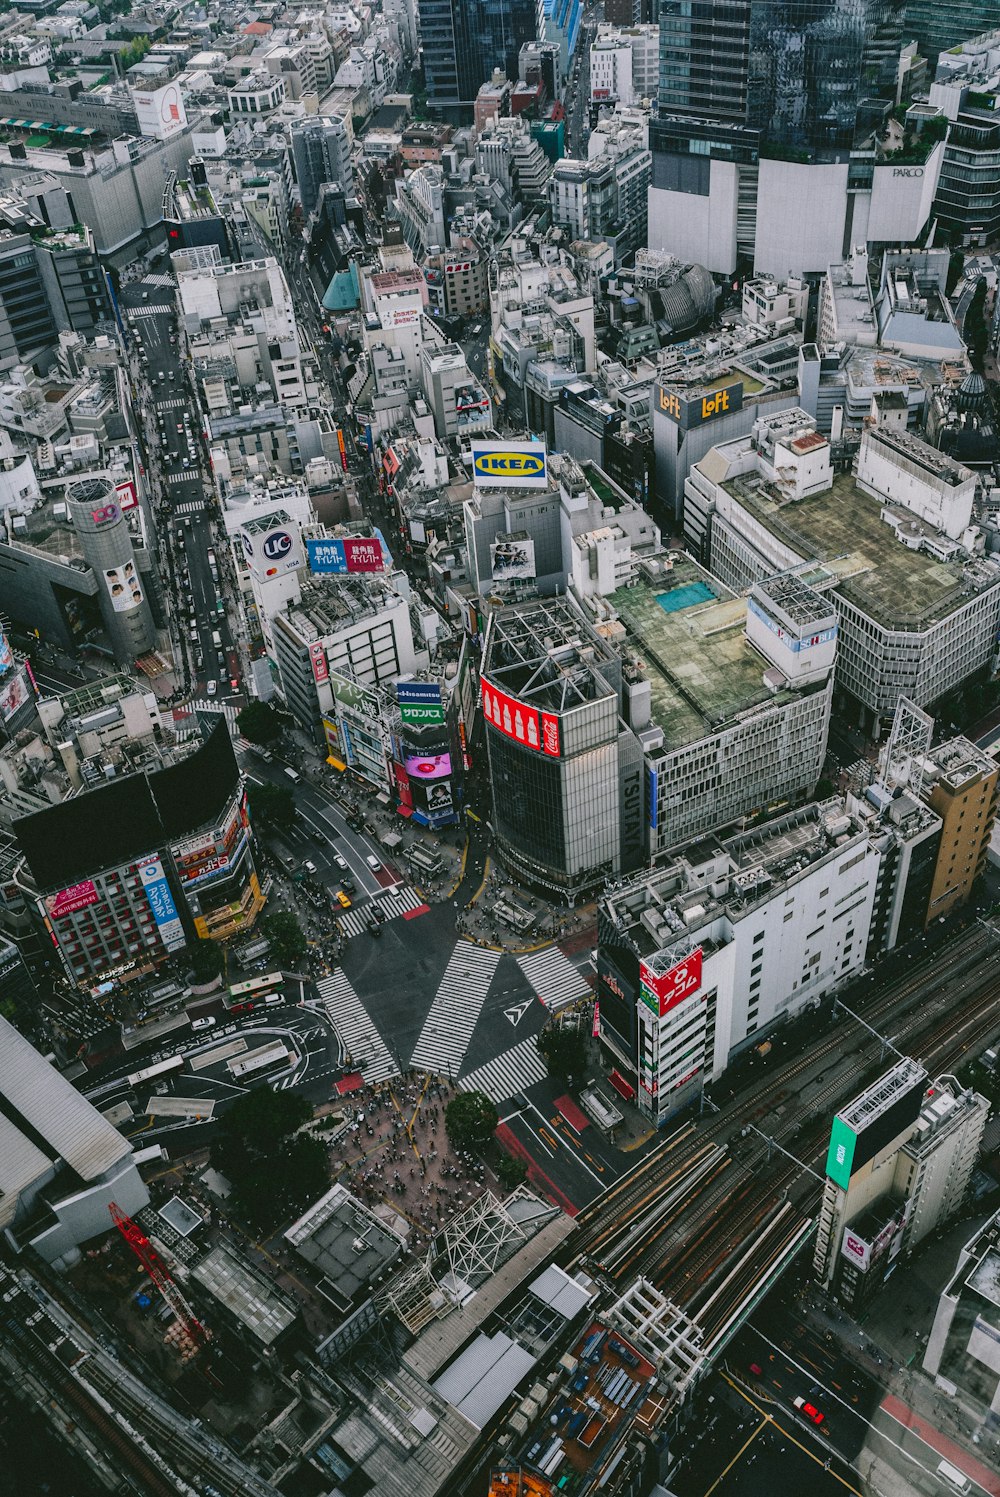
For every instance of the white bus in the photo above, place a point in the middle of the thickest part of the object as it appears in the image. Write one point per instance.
(268, 1057)
(955, 1478)
(162, 1068)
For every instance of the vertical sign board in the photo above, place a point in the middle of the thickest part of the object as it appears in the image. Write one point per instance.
(661, 993)
(840, 1156)
(419, 702)
(161, 902)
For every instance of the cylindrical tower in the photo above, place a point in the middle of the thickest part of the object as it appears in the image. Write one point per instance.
(106, 543)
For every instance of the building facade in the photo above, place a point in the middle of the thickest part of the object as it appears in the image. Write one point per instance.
(462, 41)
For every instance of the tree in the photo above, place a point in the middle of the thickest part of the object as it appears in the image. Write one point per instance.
(259, 723)
(511, 1172)
(287, 938)
(470, 1120)
(207, 961)
(564, 1051)
(272, 805)
(274, 1170)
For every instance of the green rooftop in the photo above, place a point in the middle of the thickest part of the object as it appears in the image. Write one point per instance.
(897, 587)
(701, 669)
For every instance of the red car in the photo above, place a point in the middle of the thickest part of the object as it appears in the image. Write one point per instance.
(809, 1411)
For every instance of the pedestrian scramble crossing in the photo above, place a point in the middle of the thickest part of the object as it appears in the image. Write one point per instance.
(457, 1005)
(393, 903)
(556, 981)
(349, 1018)
(513, 1070)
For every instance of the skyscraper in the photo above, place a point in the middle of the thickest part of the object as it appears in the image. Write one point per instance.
(321, 151)
(937, 25)
(775, 114)
(462, 41)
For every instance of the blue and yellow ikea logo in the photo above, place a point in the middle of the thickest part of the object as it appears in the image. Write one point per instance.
(509, 465)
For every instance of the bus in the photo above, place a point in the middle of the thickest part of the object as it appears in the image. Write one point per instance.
(255, 988)
(154, 1072)
(957, 1480)
(259, 1062)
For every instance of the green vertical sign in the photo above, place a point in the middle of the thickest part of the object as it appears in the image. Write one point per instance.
(840, 1157)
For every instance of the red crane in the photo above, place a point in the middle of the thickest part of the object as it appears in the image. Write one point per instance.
(154, 1265)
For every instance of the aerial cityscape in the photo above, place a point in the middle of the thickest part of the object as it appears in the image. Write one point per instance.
(500, 748)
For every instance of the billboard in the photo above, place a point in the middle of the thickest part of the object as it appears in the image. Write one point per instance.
(160, 111)
(123, 587)
(161, 903)
(68, 901)
(840, 1155)
(689, 409)
(652, 795)
(273, 553)
(535, 729)
(856, 1250)
(13, 695)
(663, 992)
(512, 558)
(428, 766)
(420, 703)
(126, 495)
(510, 465)
(343, 557)
(317, 659)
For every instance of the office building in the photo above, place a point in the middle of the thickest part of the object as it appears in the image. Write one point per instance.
(967, 88)
(939, 26)
(130, 870)
(711, 951)
(960, 786)
(321, 150)
(961, 1347)
(61, 1162)
(899, 1164)
(565, 772)
(605, 197)
(917, 606)
(770, 143)
(462, 41)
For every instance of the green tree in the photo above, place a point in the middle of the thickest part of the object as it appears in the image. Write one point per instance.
(470, 1120)
(272, 805)
(259, 722)
(274, 1171)
(511, 1172)
(564, 1051)
(287, 938)
(207, 960)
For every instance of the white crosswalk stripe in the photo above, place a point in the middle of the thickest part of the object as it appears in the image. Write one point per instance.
(556, 981)
(184, 476)
(392, 903)
(457, 1005)
(173, 404)
(159, 280)
(153, 310)
(349, 1018)
(512, 1071)
(189, 507)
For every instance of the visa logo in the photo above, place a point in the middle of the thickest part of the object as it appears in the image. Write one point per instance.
(509, 465)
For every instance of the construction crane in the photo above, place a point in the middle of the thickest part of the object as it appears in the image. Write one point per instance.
(191, 1329)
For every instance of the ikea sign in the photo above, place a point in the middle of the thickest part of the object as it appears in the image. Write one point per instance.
(510, 465)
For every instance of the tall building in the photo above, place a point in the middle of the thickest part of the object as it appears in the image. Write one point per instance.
(900, 1160)
(939, 25)
(961, 786)
(462, 41)
(321, 150)
(766, 146)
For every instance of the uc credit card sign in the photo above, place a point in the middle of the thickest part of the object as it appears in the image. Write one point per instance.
(510, 465)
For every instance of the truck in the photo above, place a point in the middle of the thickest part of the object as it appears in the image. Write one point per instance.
(217, 639)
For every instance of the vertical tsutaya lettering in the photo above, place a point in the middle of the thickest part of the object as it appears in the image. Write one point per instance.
(631, 807)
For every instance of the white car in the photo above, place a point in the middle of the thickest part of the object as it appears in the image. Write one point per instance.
(212, 688)
(373, 862)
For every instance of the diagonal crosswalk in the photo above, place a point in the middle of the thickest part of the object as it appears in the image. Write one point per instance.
(556, 981)
(393, 903)
(514, 1070)
(455, 1011)
(350, 1019)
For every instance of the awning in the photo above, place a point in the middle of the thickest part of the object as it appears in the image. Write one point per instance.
(382, 798)
(621, 1086)
(335, 763)
(351, 1083)
(404, 810)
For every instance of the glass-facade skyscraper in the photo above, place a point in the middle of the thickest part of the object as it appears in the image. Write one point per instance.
(937, 25)
(462, 41)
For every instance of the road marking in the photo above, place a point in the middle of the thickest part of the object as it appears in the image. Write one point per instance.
(517, 1013)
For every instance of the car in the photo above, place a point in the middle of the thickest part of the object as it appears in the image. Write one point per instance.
(192, 635)
(207, 1023)
(756, 1369)
(373, 862)
(241, 1008)
(212, 688)
(348, 884)
(234, 684)
(808, 1410)
(309, 866)
(477, 329)
(344, 900)
(341, 863)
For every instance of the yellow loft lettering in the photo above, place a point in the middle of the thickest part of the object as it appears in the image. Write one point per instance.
(714, 405)
(671, 403)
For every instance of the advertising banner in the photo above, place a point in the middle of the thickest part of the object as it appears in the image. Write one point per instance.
(161, 902)
(513, 558)
(662, 993)
(13, 695)
(68, 901)
(317, 659)
(652, 789)
(126, 495)
(536, 730)
(688, 410)
(123, 587)
(419, 702)
(856, 1250)
(428, 767)
(840, 1155)
(510, 465)
(350, 555)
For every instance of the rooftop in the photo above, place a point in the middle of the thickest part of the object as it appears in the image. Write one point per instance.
(343, 1240)
(898, 587)
(689, 630)
(245, 1293)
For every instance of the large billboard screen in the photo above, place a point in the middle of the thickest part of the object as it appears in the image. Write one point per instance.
(687, 409)
(13, 695)
(510, 465)
(339, 558)
(512, 558)
(428, 766)
(529, 726)
(662, 992)
(161, 903)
